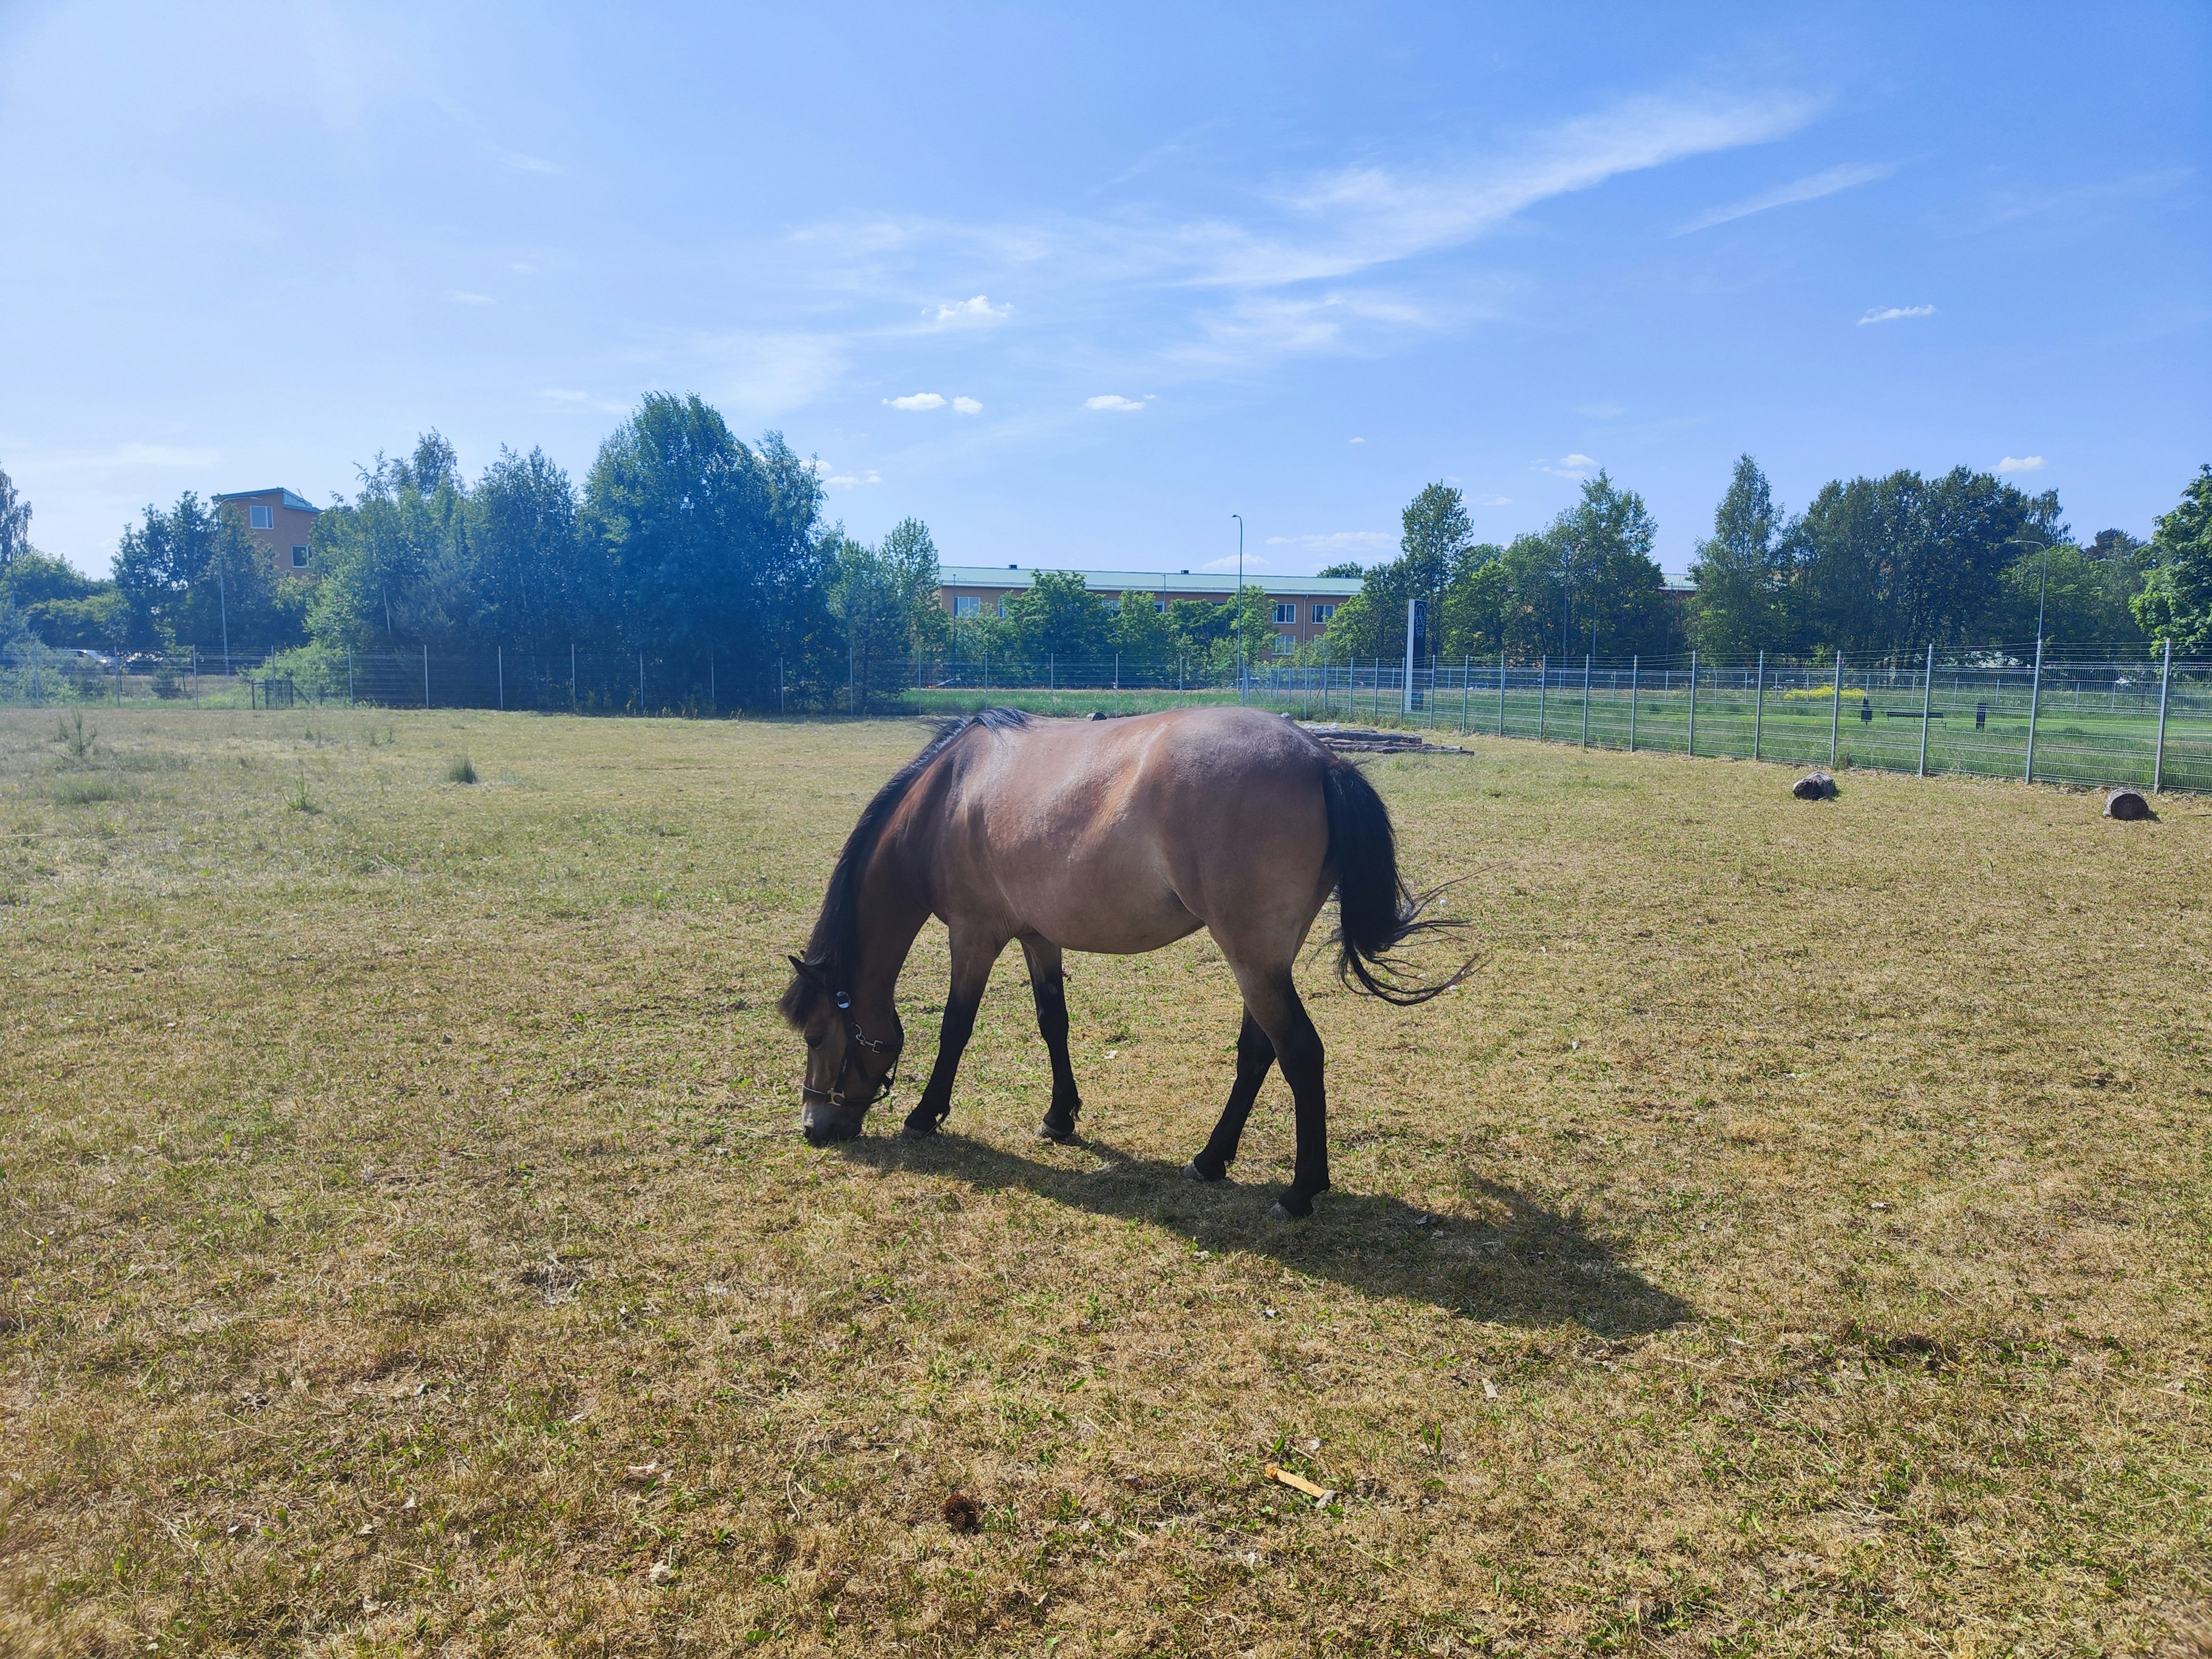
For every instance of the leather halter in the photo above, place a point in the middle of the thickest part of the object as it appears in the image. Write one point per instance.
(855, 1037)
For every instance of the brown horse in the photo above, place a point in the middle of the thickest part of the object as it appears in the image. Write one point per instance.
(1119, 837)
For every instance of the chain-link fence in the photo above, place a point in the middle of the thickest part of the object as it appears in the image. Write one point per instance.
(2096, 717)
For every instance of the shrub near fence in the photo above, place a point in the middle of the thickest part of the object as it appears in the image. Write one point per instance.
(2079, 717)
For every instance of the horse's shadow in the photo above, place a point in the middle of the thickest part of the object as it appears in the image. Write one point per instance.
(1534, 1267)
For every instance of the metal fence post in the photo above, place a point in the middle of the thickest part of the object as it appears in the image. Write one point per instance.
(1836, 712)
(1635, 672)
(1586, 679)
(1466, 668)
(2158, 755)
(426, 673)
(350, 697)
(2035, 707)
(1543, 685)
(1759, 709)
(1691, 745)
(1927, 697)
(499, 667)
(1501, 694)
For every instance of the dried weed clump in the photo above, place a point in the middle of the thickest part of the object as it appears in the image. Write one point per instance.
(1795, 1238)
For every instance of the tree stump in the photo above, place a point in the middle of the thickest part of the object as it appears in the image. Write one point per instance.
(2128, 805)
(1815, 785)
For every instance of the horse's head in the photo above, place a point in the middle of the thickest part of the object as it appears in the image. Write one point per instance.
(849, 1068)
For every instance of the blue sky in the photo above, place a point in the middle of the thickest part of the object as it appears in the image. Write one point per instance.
(1075, 284)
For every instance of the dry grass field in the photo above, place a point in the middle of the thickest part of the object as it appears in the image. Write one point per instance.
(1795, 1239)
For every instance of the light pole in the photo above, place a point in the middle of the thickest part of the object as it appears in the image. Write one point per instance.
(1236, 611)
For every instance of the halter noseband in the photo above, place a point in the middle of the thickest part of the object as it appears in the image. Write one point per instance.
(855, 1037)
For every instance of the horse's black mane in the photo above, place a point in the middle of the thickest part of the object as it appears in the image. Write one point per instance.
(833, 950)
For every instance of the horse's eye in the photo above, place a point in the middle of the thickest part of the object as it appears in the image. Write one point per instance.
(814, 1039)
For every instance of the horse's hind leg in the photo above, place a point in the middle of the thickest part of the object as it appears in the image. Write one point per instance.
(1255, 1054)
(1049, 986)
(1271, 999)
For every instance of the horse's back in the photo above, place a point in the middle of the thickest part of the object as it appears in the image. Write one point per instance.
(1122, 834)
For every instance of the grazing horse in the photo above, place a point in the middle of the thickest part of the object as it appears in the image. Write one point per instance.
(1119, 836)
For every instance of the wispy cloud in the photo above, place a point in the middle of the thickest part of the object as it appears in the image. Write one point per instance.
(1810, 188)
(2003, 207)
(853, 481)
(1253, 561)
(1891, 313)
(1577, 466)
(969, 311)
(1355, 440)
(966, 406)
(521, 163)
(1114, 401)
(1339, 541)
(1491, 500)
(463, 297)
(2020, 464)
(915, 402)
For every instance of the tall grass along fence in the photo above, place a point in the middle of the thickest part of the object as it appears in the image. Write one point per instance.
(2083, 717)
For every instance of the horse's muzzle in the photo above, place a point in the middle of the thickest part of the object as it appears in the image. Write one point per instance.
(825, 1127)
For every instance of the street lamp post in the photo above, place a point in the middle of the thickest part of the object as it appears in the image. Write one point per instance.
(1237, 609)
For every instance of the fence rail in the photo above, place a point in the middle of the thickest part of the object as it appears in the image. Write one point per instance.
(2084, 717)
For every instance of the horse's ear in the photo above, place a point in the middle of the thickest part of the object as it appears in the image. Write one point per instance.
(811, 976)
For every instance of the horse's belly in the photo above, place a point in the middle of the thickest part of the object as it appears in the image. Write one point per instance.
(1111, 899)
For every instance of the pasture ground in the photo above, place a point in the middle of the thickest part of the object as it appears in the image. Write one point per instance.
(1795, 1239)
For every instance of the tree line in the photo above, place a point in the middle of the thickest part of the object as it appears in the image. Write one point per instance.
(683, 539)
(1964, 562)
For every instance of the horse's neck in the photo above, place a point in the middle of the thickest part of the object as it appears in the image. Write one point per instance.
(894, 903)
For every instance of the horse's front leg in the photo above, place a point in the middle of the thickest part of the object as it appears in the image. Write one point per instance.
(971, 971)
(1049, 986)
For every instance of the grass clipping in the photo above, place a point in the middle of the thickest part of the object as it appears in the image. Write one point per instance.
(1794, 1239)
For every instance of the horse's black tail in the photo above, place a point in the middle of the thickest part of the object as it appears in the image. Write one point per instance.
(1376, 912)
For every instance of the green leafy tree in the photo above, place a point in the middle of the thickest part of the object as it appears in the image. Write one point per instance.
(709, 544)
(1742, 573)
(397, 568)
(1204, 632)
(874, 612)
(2176, 604)
(1142, 632)
(2086, 598)
(1350, 570)
(1588, 582)
(534, 583)
(1903, 562)
(910, 552)
(191, 575)
(1058, 616)
(15, 525)
(59, 604)
(1471, 621)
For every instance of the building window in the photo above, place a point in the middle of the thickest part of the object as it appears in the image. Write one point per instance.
(967, 605)
(1321, 613)
(261, 518)
(1160, 605)
(299, 558)
(1287, 613)
(1284, 645)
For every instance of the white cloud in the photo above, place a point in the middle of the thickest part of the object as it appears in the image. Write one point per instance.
(918, 400)
(1576, 466)
(520, 269)
(1253, 563)
(1339, 541)
(977, 310)
(563, 395)
(1493, 500)
(1810, 188)
(1602, 411)
(2020, 464)
(1110, 400)
(966, 406)
(848, 481)
(463, 297)
(1891, 313)
(1356, 441)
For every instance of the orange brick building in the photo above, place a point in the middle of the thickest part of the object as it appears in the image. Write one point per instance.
(280, 521)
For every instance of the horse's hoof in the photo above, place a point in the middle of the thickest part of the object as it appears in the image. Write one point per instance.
(1192, 1172)
(1291, 1206)
(919, 1131)
(1059, 1137)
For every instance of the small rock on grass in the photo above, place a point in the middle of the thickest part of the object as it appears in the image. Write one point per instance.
(1815, 785)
